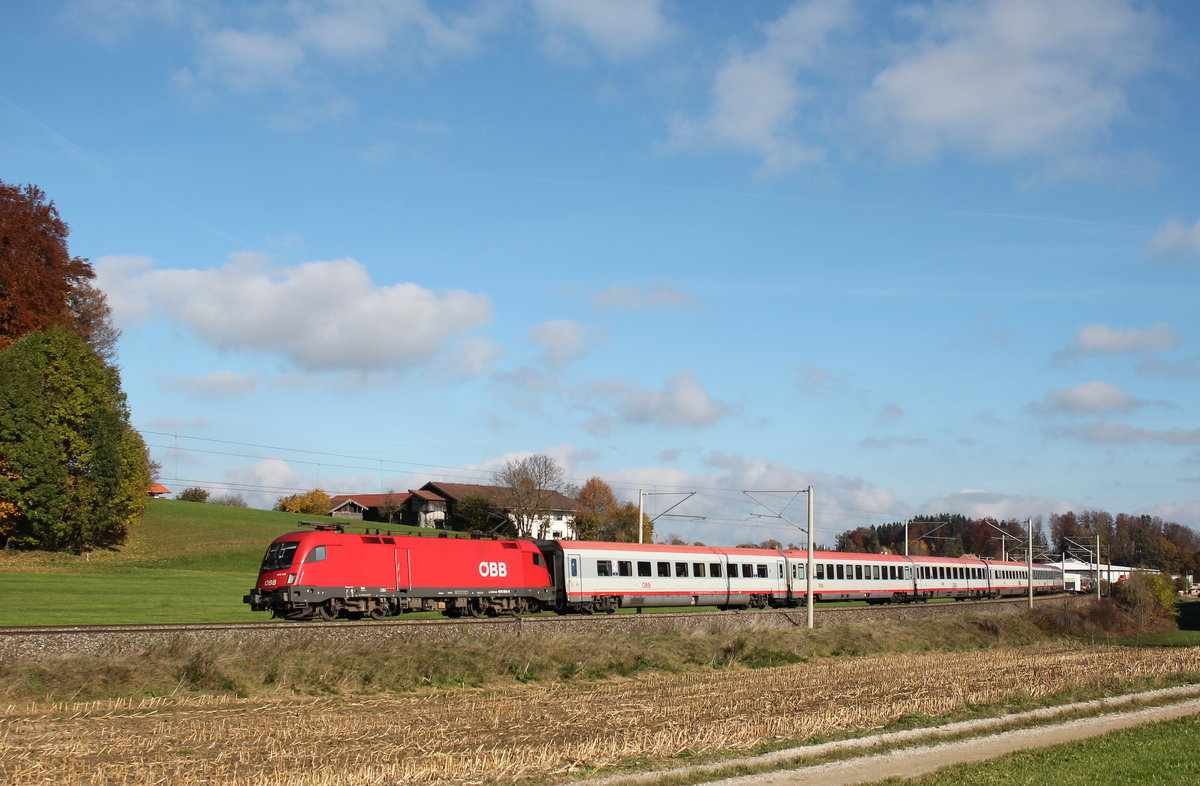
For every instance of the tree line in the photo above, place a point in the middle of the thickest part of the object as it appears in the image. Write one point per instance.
(73, 470)
(1138, 541)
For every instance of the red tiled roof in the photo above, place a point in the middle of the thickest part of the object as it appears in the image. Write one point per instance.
(367, 500)
(157, 488)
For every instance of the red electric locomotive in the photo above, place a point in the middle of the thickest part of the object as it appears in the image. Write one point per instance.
(327, 572)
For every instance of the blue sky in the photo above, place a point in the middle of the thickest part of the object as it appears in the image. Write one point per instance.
(926, 257)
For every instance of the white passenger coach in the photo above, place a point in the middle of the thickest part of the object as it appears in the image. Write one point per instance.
(602, 577)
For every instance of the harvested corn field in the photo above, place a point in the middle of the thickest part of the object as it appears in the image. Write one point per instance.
(529, 730)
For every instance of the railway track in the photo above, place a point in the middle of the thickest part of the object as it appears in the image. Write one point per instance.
(38, 643)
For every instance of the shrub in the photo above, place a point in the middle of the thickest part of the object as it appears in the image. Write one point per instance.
(193, 494)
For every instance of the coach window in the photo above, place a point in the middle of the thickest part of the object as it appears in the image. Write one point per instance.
(819, 574)
(644, 569)
(574, 566)
(625, 568)
(801, 571)
(841, 572)
(603, 567)
(858, 572)
(875, 572)
(714, 569)
(761, 572)
(681, 569)
(698, 569)
(733, 571)
(747, 571)
(664, 570)
(316, 555)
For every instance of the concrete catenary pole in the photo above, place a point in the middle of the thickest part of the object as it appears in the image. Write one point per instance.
(808, 574)
(1029, 558)
(641, 504)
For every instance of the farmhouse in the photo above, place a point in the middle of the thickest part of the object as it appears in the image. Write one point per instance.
(433, 505)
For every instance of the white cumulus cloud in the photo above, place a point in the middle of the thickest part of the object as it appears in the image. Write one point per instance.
(756, 95)
(1010, 78)
(683, 402)
(616, 28)
(319, 316)
(1175, 241)
(1086, 398)
(1105, 340)
(561, 340)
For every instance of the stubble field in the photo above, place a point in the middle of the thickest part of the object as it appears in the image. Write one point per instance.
(515, 732)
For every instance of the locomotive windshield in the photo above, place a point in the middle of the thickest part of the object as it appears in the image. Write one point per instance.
(279, 555)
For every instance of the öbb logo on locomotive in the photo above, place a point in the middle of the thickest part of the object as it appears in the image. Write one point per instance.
(493, 569)
(327, 572)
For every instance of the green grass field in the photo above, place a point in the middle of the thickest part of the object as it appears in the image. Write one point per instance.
(1166, 753)
(185, 562)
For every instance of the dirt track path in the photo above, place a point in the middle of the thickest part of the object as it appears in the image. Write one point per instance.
(916, 761)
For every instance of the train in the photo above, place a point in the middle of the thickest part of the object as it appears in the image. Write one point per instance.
(327, 572)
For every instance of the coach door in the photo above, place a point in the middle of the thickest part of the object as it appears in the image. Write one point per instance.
(574, 575)
(403, 578)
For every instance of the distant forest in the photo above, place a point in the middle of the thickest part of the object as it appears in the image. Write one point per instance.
(1125, 539)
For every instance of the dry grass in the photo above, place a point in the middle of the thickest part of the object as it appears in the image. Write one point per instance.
(524, 731)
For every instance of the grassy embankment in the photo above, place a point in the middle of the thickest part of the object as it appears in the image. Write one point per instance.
(184, 562)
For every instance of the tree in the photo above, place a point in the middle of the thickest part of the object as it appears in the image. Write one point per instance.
(193, 494)
(91, 318)
(477, 513)
(73, 471)
(622, 526)
(230, 501)
(37, 273)
(389, 505)
(595, 506)
(313, 503)
(532, 485)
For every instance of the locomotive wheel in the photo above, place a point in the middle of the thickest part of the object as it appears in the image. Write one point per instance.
(475, 609)
(377, 613)
(326, 612)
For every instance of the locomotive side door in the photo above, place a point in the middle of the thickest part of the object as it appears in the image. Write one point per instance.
(403, 574)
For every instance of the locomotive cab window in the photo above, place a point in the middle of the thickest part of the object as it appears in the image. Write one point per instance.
(604, 567)
(280, 555)
(316, 555)
(537, 560)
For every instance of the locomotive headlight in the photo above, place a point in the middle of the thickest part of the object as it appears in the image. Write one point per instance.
(291, 578)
